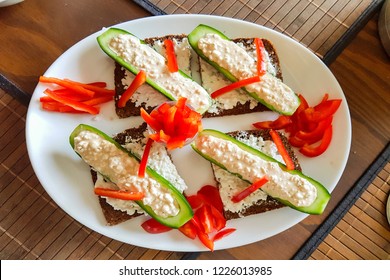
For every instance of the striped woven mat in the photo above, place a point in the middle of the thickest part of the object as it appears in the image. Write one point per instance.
(324, 26)
(32, 226)
(358, 227)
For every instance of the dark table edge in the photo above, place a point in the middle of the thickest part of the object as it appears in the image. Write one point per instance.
(343, 207)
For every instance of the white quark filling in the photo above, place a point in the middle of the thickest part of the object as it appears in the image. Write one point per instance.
(121, 169)
(293, 188)
(145, 58)
(213, 80)
(231, 184)
(241, 65)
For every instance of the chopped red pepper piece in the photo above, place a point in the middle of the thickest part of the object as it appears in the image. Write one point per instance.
(195, 201)
(210, 195)
(205, 217)
(205, 239)
(77, 88)
(280, 123)
(260, 59)
(310, 151)
(235, 85)
(138, 81)
(247, 191)
(151, 121)
(219, 219)
(316, 134)
(282, 149)
(119, 194)
(72, 103)
(322, 111)
(173, 124)
(189, 229)
(144, 159)
(171, 56)
(154, 227)
(225, 232)
(97, 87)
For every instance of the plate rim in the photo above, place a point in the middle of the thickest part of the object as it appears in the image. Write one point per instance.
(197, 17)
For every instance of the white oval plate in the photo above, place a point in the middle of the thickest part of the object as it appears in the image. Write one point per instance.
(67, 179)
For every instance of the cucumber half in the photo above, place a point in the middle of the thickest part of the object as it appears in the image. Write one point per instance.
(281, 89)
(323, 196)
(185, 212)
(104, 42)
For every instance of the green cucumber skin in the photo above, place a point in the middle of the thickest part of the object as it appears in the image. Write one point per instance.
(193, 39)
(186, 211)
(103, 41)
(323, 196)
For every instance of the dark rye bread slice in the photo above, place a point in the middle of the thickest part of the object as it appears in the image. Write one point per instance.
(243, 108)
(114, 216)
(261, 205)
(131, 108)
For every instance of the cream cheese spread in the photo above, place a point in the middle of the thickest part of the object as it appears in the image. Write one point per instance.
(145, 58)
(241, 65)
(284, 185)
(121, 169)
(231, 184)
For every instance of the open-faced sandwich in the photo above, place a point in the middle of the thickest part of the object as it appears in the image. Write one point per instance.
(255, 170)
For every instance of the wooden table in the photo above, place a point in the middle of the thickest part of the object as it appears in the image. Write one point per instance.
(34, 33)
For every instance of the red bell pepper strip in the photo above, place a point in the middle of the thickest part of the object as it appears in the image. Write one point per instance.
(72, 103)
(205, 239)
(280, 123)
(247, 191)
(154, 227)
(119, 194)
(260, 59)
(310, 151)
(138, 81)
(316, 134)
(98, 84)
(282, 149)
(195, 201)
(95, 87)
(235, 85)
(189, 229)
(68, 84)
(171, 56)
(151, 121)
(144, 159)
(225, 232)
(295, 141)
(98, 100)
(210, 195)
(59, 107)
(219, 218)
(322, 110)
(173, 124)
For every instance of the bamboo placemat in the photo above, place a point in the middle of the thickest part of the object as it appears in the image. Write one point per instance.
(32, 226)
(324, 26)
(358, 227)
